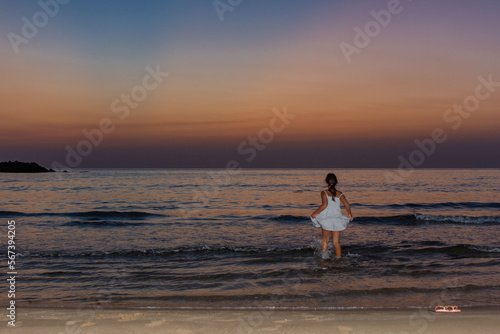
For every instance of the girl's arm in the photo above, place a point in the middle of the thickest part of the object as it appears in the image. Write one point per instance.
(324, 204)
(346, 205)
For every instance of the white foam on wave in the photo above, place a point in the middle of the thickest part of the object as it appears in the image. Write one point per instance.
(486, 249)
(459, 219)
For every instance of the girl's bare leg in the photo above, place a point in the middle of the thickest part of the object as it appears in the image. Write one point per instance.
(336, 243)
(326, 237)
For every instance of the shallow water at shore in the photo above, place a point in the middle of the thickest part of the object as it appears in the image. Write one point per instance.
(192, 239)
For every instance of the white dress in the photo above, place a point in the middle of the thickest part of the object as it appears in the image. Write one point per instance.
(331, 218)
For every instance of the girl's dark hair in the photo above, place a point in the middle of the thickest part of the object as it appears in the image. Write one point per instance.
(331, 180)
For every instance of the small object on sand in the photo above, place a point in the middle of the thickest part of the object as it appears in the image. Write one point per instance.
(447, 309)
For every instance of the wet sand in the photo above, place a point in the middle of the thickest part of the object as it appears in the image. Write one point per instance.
(73, 321)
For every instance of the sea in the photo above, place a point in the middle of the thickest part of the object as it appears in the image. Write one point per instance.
(243, 239)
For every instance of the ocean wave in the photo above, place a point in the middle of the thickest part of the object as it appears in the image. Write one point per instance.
(413, 219)
(486, 249)
(410, 219)
(209, 250)
(85, 214)
(114, 214)
(353, 251)
(462, 250)
(443, 205)
(284, 218)
(11, 214)
(102, 223)
(414, 290)
(458, 219)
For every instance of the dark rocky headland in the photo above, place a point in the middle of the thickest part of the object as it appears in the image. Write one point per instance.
(22, 167)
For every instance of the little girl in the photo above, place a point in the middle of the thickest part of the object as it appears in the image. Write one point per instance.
(329, 216)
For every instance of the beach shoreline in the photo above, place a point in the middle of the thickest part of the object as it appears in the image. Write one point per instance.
(64, 320)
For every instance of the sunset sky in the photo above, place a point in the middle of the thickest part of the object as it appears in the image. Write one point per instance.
(229, 67)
